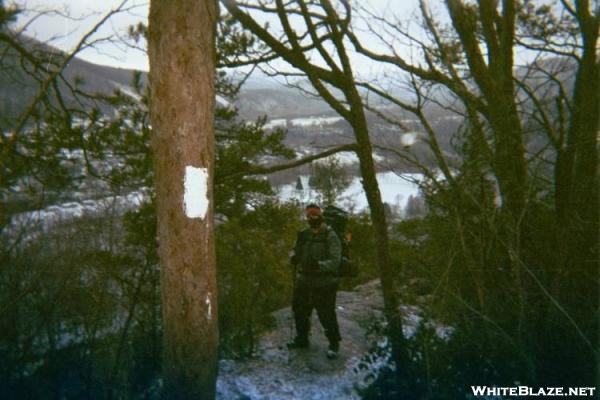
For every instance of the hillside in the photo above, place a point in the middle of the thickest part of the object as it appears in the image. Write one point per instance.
(259, 96)
(17, 87)
(310, 123)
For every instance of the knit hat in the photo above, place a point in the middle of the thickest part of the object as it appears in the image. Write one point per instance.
(313, 210)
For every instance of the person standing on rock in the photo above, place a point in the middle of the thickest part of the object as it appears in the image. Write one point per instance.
(316, 259)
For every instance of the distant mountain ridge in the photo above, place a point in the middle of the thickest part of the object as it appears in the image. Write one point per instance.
(17, 88)
(259, 96)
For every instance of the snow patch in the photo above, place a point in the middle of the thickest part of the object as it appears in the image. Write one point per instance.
(395, 190)
(276, 123)
(195, 198)
(350, 158)
(312, 121)
(276, 373)
(41, 221)
(127, 91)
(222, 101)
(410, 138)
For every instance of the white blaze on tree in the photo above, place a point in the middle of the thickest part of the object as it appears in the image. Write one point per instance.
(181, 49)
(195, 198)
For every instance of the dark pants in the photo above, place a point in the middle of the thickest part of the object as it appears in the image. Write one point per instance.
(307, 297)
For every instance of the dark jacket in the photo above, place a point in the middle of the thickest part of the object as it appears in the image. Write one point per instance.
(317, 256)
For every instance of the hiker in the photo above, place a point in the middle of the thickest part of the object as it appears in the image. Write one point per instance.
(316, 260)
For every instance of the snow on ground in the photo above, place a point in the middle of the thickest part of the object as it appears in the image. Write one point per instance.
(395, 190)
(276, 123)
(344, 157)
(127, 90)
(302, 122)
(350, 158)
(279, 374)
(44, 219)
(347, 158)
(312, 121)
(222, 101)
(409, 138)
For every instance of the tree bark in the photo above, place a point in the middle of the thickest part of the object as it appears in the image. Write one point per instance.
(387, 273)
(577, 192)
(577, 163)
(181, 48)
(495, 82)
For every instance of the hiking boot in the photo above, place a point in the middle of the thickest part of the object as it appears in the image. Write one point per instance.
(333, 351)
(297, 343)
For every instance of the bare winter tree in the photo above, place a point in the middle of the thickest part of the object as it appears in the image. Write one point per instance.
(181, 45)
(468, 55)
(486, 83)
(568, 110)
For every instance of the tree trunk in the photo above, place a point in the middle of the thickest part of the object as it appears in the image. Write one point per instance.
(577, 183)
(509, 164)
(387, 275)
(577, 192)
(495, 81)
(181, 48)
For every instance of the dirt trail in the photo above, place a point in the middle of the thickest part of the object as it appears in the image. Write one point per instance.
(307, 374)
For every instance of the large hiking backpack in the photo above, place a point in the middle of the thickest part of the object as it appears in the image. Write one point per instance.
(337, 219)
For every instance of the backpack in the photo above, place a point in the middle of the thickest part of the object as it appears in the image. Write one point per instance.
(337, 219)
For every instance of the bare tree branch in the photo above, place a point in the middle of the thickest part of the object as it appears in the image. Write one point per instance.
(42, 91)
(263, 170)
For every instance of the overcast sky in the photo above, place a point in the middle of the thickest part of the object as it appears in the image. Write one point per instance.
(65, 32)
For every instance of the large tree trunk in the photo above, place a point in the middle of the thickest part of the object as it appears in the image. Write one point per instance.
(577, 192)
(387, 274)
(509, 164)
(577, 163)
(181, 46)
(493, 74)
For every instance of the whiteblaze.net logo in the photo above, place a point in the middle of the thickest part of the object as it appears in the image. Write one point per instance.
(528, 391)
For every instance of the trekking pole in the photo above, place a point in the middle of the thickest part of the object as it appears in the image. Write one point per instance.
(292, 323)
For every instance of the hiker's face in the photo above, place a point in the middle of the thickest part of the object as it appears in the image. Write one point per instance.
(314, 221)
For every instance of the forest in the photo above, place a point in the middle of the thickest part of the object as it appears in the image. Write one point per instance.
(147, 214)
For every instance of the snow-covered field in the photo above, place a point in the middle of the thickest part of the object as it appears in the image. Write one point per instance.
(276, 123)
(350, 158)
(302, 122)
(127, 91)
(44, 219)
(312, 121)
(395, 190)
